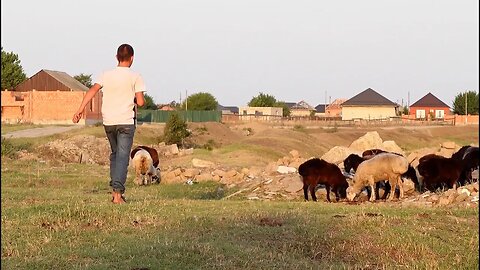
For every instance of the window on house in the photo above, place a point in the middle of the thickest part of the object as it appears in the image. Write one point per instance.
(439, 113)
(420, 114)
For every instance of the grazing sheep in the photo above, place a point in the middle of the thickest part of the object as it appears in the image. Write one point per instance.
(380, 167)
(437, 171)
(353, 160)
(470, 162)
(372, 152)
(317, 171)
(460, 153)
(144, 164)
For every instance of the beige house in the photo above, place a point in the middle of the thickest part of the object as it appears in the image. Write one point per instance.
(260, 113)
(301, 109)
(368, 105)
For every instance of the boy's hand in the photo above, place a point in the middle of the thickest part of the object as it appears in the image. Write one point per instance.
(77, 116)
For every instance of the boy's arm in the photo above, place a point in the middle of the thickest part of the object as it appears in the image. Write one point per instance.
(88, 96)
(140, 99)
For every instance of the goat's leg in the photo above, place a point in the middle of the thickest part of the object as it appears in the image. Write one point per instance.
(392, 190)
(327, 187)
(312, 192)
(305, 191)
(337, 195)
(400, 187)
(387, 190)
(377, 190)
(138, 179)
(369, 191)
(372, 193)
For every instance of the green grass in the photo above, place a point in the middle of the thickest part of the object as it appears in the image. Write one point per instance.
(7, 128)
(62, 218)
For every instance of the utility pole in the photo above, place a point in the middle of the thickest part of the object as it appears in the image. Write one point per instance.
(466, 110)
(186, 106)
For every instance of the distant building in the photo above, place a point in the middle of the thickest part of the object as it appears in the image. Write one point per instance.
(429, 107)
(227, 109)
(49, 97)
(334, 109)
(368, 105)
(166, 107)
(320, 110)
(301, 108)
(260, 113)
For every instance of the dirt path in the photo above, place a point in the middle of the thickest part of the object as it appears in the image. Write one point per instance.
(39, 132)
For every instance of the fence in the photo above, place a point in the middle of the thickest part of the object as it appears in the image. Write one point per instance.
(189, 116)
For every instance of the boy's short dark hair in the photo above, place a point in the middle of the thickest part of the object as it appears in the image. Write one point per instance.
(124, 52)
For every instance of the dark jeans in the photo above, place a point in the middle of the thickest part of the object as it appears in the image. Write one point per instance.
(121, 140)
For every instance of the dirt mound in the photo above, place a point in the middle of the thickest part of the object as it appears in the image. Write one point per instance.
(77, 149)
(213, 134)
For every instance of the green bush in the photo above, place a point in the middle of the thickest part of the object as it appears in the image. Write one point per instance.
(175, 130)
(299, 128)
(10, 149)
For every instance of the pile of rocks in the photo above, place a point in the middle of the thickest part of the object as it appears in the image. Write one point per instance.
(370, 140)
(90, 150)
(466, 195)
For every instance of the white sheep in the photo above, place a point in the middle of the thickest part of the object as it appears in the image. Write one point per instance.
(145, 172)
(385, 166)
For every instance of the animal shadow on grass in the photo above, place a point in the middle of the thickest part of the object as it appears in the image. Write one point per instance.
(272, 222)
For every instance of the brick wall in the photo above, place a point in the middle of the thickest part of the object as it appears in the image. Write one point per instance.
(466, 120)
(46, 107)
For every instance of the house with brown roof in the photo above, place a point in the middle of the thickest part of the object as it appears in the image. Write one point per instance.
(368, 105)
(48, 97)
(429, 107)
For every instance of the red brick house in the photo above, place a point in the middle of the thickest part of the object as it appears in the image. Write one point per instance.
(429, 107)
(48, 97)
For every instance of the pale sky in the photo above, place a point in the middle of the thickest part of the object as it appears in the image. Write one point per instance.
(293, 50)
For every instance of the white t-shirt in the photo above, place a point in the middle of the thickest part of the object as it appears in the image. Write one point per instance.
(119, 86)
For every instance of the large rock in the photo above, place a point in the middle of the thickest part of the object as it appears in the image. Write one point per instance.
(198, 163)
(203, 177)
(292, 184)
(368, 141)
(449, 145)
(391, 146)
(294, 154)
(191, 172)
(414, 156)
(168, 150)
(338, 154)
(286, 169)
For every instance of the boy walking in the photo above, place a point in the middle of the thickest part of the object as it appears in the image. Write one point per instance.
(120, 87)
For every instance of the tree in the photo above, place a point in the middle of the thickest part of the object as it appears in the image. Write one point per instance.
(149, 103)
(200, 102)
(175, 130)
(472, 103)
(84, 79)
(263, 100)
(286, 109)
(12, 72)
